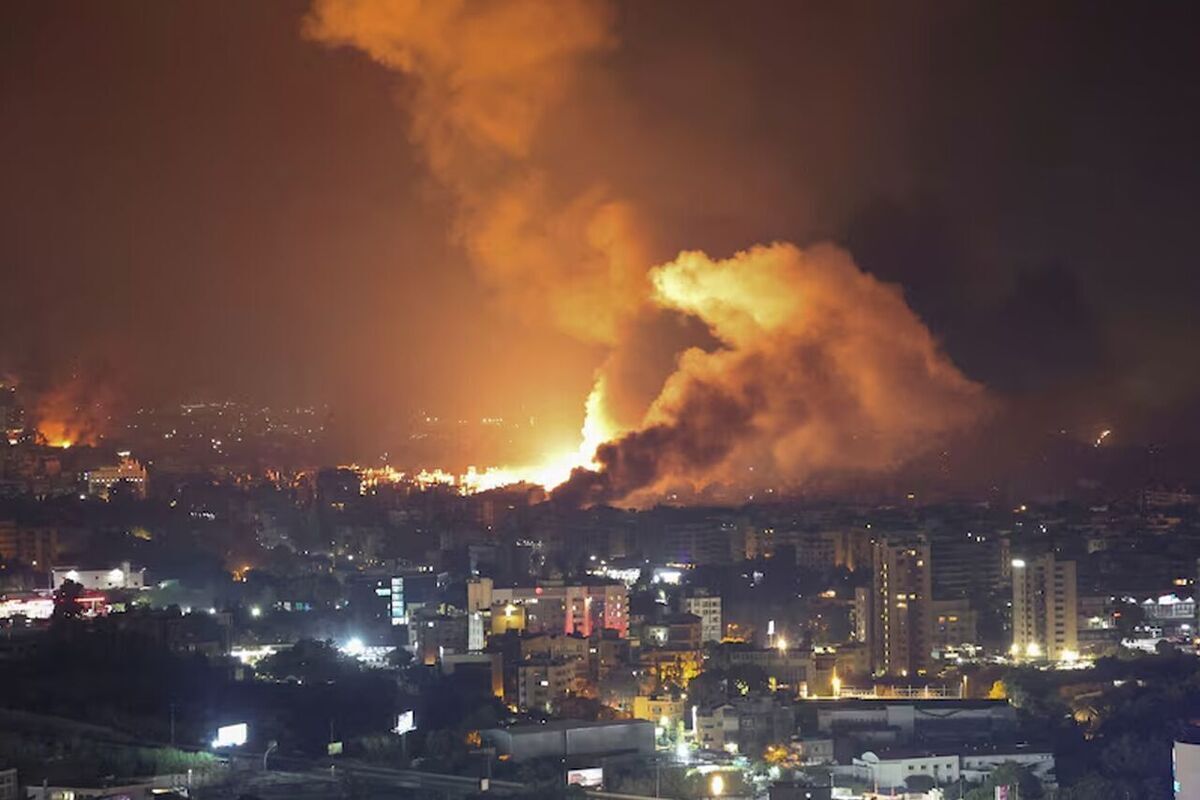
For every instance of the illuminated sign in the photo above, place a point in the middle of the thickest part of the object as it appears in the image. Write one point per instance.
(231, 735)
(404, 723)
(334, 748)
(590, 778)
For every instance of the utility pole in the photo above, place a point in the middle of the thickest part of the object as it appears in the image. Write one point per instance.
(172, 724)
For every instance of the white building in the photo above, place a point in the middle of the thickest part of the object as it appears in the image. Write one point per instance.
(1185, 768)
(708, 609)
(1170, 607)
(889, 770)
(120, 577)
(129, 471)
(716, 728)
(976, 767)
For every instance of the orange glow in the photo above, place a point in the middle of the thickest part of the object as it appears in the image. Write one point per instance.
(555, 469)
(70, 413)
(549, 473)
(817, 369)
(56, 433)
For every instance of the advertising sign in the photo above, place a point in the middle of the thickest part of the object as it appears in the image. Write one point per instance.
(232, 735)
(589, 778)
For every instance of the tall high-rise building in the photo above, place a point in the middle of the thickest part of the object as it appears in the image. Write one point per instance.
(900, 631)
(1045, 609)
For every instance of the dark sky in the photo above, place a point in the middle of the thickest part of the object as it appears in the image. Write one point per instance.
(207, 204)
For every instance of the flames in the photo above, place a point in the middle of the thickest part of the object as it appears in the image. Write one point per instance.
(57, 433)
(549, 473)
(807, 366)
(69, 414)
(820, 371)
(557, 468)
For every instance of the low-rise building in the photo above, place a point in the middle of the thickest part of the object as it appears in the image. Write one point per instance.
(128, 472)
(890, 769)
(954, 721)
(8, 784)
(435, 635)
(715, 728)
(887, 770)
(565, 738)
(659, 709)
(745, 725)
(122, 576)
(543, 682)
(560, 608)
(708, 608)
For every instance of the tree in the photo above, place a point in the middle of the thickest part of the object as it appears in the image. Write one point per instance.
(307, 661)
(1094, 786)
(1128, 616)
(1008, 774)
(919, 783)
(399, 658)
(66, 601)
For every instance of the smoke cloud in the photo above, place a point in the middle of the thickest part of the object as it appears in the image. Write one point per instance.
(786, 364)
(485, 75)
(73, 411)
(821, 370)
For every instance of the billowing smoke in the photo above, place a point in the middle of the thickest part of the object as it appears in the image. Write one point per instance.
(72, 411)
(821, 370)
(485, 75)
(787, 363)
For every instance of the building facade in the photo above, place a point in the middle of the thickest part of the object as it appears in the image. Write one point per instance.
(1045, 609)
(901, 636)
(708, 609)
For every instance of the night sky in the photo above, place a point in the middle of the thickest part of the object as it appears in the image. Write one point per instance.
(199, 201)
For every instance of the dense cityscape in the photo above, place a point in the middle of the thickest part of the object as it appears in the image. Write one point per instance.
(562, 399)
(235, 625)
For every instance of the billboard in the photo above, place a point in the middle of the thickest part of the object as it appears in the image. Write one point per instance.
(232, 735)
(404, 723)
(589, 778)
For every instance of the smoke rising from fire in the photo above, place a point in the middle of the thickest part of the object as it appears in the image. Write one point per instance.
(484, 77)
(809, 366)
(72, 411)
(821, 369)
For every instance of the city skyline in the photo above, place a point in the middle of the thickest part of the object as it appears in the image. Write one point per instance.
(322, 253)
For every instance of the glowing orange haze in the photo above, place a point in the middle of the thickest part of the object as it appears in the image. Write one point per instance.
(819, 369)
(67, 415)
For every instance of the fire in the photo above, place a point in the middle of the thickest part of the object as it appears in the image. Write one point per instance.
(71, 412)
(811, 367)
(556, 469)
(56, 433)
(549, 473)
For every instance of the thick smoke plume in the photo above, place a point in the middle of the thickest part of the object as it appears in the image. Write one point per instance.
(73, 411)
(486, 74)
(811, 367)
(821, 370)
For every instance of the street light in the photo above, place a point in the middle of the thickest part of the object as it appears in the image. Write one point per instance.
(270, 747)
